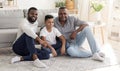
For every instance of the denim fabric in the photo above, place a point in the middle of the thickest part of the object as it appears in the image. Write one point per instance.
(74, 49)
(25, 46)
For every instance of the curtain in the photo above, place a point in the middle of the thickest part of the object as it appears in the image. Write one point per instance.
(83, 9)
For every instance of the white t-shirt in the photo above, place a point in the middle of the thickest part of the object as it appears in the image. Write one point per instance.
(50, 36)
(29, 28)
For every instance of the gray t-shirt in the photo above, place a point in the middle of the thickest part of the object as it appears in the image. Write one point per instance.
(70, 26)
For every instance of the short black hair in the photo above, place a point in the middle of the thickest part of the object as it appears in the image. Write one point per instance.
(48, 17)
(31, 8)
(62, 7)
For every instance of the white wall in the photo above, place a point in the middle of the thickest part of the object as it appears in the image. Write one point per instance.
(40, 4)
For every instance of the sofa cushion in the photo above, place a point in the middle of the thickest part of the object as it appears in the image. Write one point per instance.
(10, 18)
(7, 35)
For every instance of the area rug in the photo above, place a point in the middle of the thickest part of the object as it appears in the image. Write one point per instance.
(61, 63)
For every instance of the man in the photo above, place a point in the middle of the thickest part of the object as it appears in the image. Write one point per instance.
(24, 44)
(75, 37)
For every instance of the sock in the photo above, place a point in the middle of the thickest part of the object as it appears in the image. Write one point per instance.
(51, 55)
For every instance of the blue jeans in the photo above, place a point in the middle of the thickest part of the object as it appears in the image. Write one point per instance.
(74, 50)
(25, 46)
(57, 46)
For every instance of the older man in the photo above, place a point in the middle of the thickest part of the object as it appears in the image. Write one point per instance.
(75, 37)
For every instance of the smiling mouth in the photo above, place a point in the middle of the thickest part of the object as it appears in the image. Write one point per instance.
(33, 18)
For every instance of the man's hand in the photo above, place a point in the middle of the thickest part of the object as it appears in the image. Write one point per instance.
(62, 51)
(81, 27)
(73, 35)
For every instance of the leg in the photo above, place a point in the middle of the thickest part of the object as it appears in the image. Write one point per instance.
(91, 40)
(57, 46)
(42, 54)
(86, 32)
(19, 47)
(25, 44)
(74, 51)
(29, 45)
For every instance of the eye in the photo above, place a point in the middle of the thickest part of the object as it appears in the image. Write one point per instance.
(36, 14)
(64, 13)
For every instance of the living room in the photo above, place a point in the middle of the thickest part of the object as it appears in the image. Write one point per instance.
(103, 20)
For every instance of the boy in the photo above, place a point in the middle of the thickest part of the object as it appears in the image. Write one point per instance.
(49, 34)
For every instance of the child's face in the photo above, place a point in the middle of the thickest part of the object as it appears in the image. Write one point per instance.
(49, 23)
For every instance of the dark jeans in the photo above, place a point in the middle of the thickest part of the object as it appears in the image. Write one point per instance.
(57, 46)
(25, 46)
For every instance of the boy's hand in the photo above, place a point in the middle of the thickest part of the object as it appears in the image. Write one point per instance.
(44, 43)
(54, 53)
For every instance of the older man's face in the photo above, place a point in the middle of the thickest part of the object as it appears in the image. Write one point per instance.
(62, 14)
(32, 16)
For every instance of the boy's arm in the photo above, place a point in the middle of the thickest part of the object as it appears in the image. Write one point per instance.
(54, 53)
(63, 44)
(49, 46)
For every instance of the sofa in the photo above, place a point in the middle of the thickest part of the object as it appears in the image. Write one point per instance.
(11, 18)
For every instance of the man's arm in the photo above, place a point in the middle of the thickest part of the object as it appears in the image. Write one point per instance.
(81, 27)
(44, 43)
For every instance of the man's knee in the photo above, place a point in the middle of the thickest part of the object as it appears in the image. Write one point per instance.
(72, 52)
(86, 28)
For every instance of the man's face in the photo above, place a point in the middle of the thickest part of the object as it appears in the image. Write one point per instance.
(49, 23)
(32, 16)
(62, 14)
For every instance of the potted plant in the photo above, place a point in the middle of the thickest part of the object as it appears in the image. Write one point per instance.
(97, 7)
(59, 4)
(69, 4)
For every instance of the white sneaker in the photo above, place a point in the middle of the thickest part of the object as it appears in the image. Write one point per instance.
(15, 59)
(39, 64)
(97, 57)
(102, 54)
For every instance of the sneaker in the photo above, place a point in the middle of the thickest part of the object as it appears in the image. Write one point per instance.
(15, 59)
(39, 64)
(102, 54)
(97, 57)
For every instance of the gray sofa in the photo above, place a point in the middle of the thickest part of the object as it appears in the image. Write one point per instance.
(9, 21)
